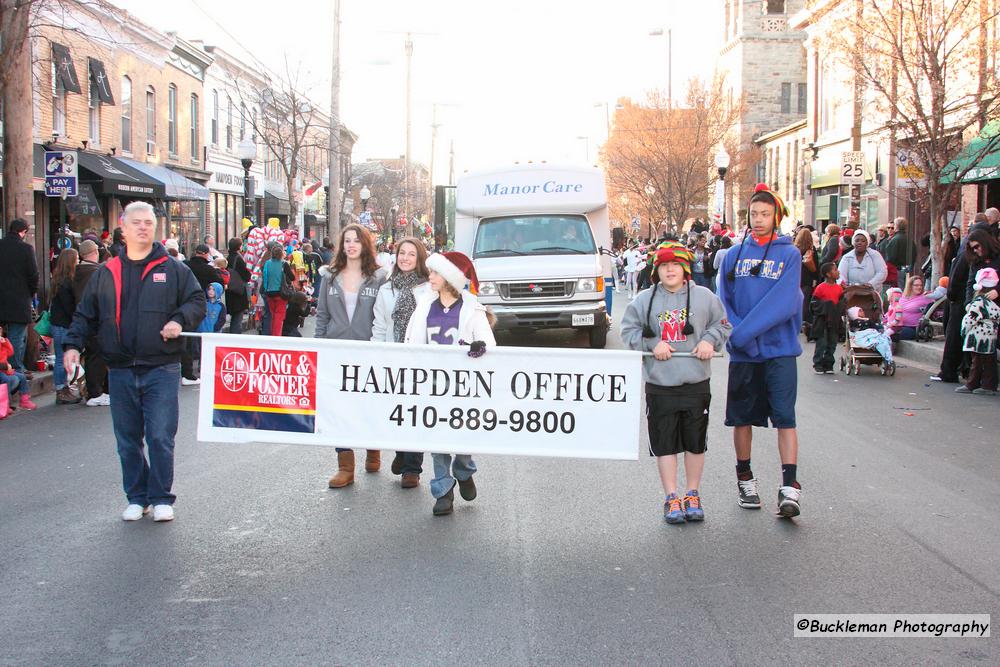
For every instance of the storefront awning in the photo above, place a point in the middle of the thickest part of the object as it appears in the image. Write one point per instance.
(276, 203)
(175, 186)
(113, 177)
(980, 160)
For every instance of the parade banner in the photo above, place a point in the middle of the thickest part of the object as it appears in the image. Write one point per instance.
(427, 398)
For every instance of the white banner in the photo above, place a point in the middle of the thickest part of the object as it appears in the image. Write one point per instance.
(512, 400)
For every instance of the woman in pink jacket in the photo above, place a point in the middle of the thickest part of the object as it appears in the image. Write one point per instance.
(911, 306)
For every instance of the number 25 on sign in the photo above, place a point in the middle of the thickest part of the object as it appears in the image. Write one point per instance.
(852, 168)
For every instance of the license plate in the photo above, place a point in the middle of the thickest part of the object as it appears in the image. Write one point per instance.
(583, 320)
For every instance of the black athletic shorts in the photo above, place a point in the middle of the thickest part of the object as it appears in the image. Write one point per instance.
(677, 418)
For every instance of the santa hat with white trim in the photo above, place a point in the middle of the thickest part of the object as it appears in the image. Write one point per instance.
(455, 268)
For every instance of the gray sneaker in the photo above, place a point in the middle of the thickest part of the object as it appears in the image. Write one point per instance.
(984, 392)
(962, 389)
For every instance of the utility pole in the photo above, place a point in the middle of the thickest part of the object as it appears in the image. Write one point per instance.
(408, 48)
(333, 200)
(434, 134)
(451, 163)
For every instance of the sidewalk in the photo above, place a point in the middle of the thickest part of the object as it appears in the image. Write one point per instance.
(921, 355)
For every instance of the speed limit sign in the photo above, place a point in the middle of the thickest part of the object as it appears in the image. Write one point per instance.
(852, 168)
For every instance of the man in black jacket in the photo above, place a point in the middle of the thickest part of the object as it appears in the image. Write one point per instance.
(202, 267)
(97, 371)
(18, 284)
(206, 274)
(136, 305)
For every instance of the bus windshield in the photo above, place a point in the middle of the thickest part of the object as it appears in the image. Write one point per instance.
(534, 235)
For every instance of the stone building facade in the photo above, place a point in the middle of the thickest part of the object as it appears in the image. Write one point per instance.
(764, 62)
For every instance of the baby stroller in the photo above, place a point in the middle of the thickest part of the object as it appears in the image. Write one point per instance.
(855, 354)
(932, 313)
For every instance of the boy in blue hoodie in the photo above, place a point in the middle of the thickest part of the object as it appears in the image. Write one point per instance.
(215, 312)
(759, 287)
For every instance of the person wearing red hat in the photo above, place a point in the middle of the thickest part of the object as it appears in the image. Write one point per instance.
(451, 315)
(759, 285)
(676, 315)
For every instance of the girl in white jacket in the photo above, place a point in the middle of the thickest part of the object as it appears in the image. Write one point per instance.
(451, 315)
(396, 301)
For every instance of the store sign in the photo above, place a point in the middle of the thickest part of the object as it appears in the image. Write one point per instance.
(232, 181)
(909, 173)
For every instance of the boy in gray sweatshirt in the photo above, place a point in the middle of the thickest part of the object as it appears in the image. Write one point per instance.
(675, 315)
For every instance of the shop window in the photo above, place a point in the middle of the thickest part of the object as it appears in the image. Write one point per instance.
(172, 119)
(126, 114)
(150, 120)
(58, 104)
(94, 114)
(215, 118)
(194, 128)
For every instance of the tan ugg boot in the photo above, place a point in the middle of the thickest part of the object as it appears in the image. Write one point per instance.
(373, 460)
(345, 472)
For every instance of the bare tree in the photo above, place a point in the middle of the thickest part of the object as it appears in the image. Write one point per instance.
(659, 156)
(929, 67)
(292, 129)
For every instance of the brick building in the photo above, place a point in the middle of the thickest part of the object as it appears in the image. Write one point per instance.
(128, 98)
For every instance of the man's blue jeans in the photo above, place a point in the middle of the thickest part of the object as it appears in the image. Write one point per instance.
(17, 332)
(464, 467)
(145, 403)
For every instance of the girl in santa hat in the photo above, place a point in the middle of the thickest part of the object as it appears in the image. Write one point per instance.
(451, 315)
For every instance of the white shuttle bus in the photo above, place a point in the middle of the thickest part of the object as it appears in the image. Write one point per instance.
(534, 233)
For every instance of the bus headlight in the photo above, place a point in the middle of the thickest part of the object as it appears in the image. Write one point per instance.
(487, 289)
(589, 285)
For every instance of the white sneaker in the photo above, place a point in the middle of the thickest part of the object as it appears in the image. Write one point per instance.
(96, 401)
(187, 383)
(789, 499)
(134, 512)
(163, 513)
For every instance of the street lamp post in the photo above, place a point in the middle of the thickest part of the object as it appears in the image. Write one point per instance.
(586, 147)
(670, 62)
(722, 164)
(247, 152)
(365, 195)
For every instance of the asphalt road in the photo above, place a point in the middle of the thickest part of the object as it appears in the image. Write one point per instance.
(561, 562)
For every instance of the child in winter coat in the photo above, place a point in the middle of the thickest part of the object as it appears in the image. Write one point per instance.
(827, 312)
(677, 316)
(979, 334)
(451, 315)
(15, 380)
(295, 314)
(215, 312)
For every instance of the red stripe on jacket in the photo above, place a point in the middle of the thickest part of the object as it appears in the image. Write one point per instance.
(115, 267)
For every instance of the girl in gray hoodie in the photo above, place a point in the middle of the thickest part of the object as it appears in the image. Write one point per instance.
(345, 311)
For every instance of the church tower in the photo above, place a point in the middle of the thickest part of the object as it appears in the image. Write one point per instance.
(764, 62)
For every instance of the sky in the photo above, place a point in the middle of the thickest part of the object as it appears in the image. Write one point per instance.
(513, 81)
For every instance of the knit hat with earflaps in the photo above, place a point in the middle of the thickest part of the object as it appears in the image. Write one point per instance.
(763, 193)
(672, 251)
